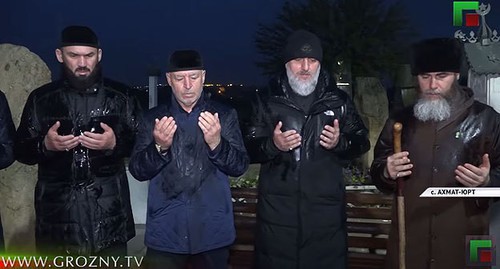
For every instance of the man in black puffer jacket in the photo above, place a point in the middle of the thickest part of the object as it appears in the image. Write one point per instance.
(302, 134)
(78, 130)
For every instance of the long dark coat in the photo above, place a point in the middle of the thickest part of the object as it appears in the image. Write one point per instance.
(82, 199)
(301, 204)
(436, 227)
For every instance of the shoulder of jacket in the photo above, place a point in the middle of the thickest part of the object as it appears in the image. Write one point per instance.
(339, 93)
(51, 87)
(480, 107)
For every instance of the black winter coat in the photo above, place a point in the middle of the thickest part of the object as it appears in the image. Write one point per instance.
(7, 133)
(82, 198)
(301, 204)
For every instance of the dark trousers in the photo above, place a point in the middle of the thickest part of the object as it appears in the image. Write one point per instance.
(212, 259)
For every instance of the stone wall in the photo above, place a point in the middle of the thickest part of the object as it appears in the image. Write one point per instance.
(372, 104)
(21, 72)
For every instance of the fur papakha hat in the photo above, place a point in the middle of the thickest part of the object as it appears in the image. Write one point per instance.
(437, 55)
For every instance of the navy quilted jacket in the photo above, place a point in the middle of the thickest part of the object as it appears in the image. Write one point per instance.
(197, 218)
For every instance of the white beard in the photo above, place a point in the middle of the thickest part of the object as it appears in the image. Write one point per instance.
(302, 87)
(432, 110)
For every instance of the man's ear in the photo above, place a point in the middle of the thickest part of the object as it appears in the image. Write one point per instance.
(168, 79)
(59, 55)
(99, 55)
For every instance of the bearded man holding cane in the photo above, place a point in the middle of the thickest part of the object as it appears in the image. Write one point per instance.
(448, 140)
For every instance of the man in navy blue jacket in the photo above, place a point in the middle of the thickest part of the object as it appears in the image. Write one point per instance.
(188, 148)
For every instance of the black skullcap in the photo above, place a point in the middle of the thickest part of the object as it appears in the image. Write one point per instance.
(182, 60)
(76, 35)
(436, 55)
(302, 44)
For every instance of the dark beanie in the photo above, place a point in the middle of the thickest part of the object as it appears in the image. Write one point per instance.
(182, 60)
(302, 44)
(436, 55)
(79, 36)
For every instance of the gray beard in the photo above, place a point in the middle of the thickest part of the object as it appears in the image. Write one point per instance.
(300, 87)
(432, 110)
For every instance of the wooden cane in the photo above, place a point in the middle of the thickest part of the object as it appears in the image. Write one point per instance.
(397, 128)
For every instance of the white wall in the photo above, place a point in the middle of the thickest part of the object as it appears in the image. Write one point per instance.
(138, 198)
(493, 84)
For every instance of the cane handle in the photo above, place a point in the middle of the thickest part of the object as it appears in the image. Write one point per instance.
(397, 128)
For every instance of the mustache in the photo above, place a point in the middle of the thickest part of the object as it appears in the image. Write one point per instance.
(301, 73)
(82, 69)
(431, 91)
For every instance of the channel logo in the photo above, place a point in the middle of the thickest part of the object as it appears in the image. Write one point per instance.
(471, 19)
(480, 250)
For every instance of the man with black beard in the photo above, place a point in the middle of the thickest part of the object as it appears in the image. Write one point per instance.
(448, 140)
(303, 131)
(188, 148)
(78, 130)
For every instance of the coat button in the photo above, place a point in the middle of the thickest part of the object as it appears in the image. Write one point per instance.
(433, 260)
(434, 169)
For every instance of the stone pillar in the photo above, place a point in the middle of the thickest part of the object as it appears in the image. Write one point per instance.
(21, 72)
(406, 83)
(371, 102)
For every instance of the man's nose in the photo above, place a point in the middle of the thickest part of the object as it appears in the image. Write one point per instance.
(81, 61)
(187, 83)
(305, 65)
(433, 83)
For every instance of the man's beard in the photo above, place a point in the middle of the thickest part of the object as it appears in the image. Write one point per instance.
(434, 110)
(302, 87)
(81, 82)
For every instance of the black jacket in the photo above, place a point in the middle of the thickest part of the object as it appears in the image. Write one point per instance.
(7, 133)
(82, 199)
(301, 204)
